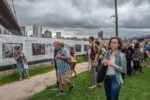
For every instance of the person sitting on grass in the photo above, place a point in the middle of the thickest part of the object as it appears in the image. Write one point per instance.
(63, 68)
(21, 63)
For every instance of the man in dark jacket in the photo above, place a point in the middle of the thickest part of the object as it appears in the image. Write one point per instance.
(128, 54)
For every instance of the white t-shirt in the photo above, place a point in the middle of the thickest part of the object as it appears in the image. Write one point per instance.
(111, 70)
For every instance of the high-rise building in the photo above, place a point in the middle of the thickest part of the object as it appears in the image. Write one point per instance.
(23, 30)
(37, 30)
(100, 34)
(47, 34)
(58, 35)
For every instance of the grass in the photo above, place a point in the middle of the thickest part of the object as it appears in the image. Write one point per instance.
(32, 72)
(81, 59)
(136, 87)
(36, 70)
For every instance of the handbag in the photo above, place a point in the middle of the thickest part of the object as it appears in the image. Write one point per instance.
(101, 70)
(26, 66)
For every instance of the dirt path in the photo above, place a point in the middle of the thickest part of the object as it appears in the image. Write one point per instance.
(22, 90)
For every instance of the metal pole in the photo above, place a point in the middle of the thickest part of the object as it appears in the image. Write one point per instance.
(116, 17)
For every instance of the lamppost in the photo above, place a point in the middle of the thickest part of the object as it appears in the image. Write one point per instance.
(116, 17)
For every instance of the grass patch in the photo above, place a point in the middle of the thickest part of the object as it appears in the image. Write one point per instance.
(32, 72)
(81, 59)
(136, 87)
(35, 70)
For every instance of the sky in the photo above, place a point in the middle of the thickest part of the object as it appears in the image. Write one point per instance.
(83, 18)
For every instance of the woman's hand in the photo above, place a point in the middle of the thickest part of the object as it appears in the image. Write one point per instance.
(94, 64)
(109, 63)
(17, 57)
(105, 62)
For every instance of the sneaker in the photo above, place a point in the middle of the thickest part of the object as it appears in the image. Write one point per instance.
(20, 78)
(70, 89)
(60, 93)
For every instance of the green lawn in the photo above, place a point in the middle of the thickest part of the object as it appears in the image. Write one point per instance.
(136, 87)
(32, 72)
(35, 70)
(81, 59)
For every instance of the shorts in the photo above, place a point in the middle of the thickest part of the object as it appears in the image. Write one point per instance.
(64, 77)
(73, 64)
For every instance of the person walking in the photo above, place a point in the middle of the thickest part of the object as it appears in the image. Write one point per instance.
(116, 62)
(63, 68)
(73, 60)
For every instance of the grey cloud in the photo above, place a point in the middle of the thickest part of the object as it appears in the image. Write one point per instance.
(80, 13)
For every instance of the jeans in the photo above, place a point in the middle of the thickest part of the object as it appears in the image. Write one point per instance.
(136, 65)
(89, 62)
(94, 74)
(20, 67)
(112, 87)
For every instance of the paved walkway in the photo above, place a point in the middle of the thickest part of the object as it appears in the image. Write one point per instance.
(22, 90)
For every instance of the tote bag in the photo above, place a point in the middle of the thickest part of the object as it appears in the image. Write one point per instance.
(101, 70)
(26, 66)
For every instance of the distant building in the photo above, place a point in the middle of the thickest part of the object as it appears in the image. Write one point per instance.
(47, 34)
(58, 35)
(37, 30)
(74, 38)
(85, 39)
(23, 30)
(105, 41)
(67, 38)
(100, 34)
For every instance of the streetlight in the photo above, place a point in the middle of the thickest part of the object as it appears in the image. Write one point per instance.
(116, 17)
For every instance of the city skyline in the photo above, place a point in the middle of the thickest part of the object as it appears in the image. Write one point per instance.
(86, 17)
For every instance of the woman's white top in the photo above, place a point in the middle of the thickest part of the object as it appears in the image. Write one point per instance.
(110, 69)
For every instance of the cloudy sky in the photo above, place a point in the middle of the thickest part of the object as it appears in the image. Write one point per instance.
(85, 17)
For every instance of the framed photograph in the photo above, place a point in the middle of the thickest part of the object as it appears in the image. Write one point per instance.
(78, 48)
(9, 50)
